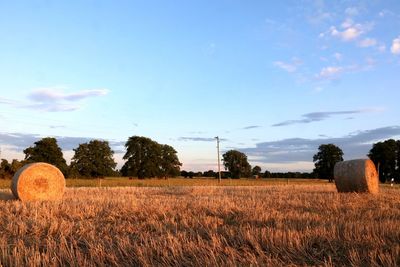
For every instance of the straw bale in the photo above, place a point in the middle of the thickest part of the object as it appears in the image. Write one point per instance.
(38, 181)
(357, 175)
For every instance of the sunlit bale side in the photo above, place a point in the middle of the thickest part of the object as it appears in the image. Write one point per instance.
(38, 181)
(357, 175)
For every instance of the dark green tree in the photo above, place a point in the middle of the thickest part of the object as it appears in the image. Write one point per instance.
(93, 159)
(267, 174)
(210, 173)
(5, 169)
(16, 165)
(236, 163)
(184, 174)
(146, 158)
(326, 158)
(397, 175)
(256, 171)
(385, 155)
(169, 162)
(47, 150)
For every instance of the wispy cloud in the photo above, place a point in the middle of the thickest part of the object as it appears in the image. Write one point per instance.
(20, 141)
(352, 11)
(350, 31)
(55, 94)
(368, 42)
(57, 126)
(6, 101)
(354, 145)
(199, 139)
(289, 66)
(251, 127)
(320, 116)
(54, 99)
(395, 48)
(349, 34)
(338, 56)
(335, 72)
(330, 72)
(385, 12)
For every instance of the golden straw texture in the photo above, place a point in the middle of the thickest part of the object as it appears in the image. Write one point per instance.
(358, 175)
(38, 181)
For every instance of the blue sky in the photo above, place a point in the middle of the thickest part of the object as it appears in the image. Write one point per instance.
(273, 80)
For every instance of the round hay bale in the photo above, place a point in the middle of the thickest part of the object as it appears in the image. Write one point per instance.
(38, 181)
(357, 175)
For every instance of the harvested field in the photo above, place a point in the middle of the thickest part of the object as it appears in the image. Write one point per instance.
(123, 181)
(277, 225)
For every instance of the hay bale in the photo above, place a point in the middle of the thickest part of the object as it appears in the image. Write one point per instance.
(38, 181)
(357, 175)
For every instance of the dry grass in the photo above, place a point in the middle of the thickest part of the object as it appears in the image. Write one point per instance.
(275, 225)
(123, 181)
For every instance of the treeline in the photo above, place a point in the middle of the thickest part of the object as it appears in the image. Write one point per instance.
(266, 174)
(385, 155)
(145, 158)
(8, 169)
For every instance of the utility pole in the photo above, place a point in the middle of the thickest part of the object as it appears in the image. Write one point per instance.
(219, 161)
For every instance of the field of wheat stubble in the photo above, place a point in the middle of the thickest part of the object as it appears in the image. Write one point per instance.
(276, 225)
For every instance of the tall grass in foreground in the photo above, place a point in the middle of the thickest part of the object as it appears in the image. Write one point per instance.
(277, 225)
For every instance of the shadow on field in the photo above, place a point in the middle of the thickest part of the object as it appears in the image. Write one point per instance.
(6, 195)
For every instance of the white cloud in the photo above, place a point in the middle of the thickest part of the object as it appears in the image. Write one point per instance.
(285, 66)
(368, 42)
(338, 56)
(320, 116)
(351, 11)
(289, 66)
(395, 49)
(347, 23)
(55, 94)
(382, 48)
(351, 31)
(385, 13)
(318, 89)
(319, 17)
(348, 34)
(330, 72)
(54, 99)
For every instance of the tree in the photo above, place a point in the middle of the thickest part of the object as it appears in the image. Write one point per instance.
(256, 171)
(93, 159)
(15, 166)
(397, 175)
(236, 163)
(267, 174)
(47, 150)
(147, 158)
(169, 162)
(386, 156)
(142, 157)
(5, 169)
(326, 158)
(184, 174)
(210, 173)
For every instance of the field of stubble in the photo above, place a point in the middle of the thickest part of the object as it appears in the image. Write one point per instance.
(277, 225)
